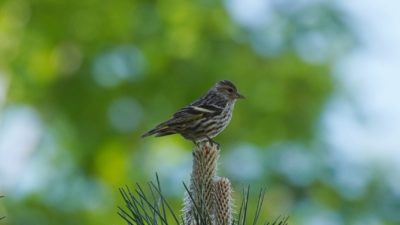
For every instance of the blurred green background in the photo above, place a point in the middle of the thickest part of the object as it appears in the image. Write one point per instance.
(80, 81)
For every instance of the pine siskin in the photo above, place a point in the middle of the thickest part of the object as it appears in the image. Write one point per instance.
(203, 119)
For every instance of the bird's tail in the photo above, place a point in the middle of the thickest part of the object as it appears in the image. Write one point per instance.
(160, 130)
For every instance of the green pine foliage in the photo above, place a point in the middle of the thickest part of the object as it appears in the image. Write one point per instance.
(208, 199)
(142, 208)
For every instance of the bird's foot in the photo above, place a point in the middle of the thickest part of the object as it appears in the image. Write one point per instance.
(208, 141)
(212, 142)
(197, 143)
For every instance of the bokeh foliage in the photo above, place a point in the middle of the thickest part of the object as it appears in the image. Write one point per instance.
(97, 74)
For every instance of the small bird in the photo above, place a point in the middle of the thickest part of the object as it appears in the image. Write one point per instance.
(204, 118)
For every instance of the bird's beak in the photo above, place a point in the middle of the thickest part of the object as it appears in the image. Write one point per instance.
(239, 96)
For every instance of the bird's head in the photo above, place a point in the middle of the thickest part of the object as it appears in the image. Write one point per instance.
(228, 90)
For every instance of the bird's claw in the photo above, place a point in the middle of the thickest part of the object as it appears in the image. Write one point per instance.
(212, 142)
(216, 143)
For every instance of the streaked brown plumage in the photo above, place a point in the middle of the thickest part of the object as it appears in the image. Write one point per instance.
(203, 119)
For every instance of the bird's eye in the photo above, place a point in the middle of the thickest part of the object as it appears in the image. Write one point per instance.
(230, 90)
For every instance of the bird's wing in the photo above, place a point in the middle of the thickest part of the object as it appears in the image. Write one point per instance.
(195, 110)
(192, 112)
